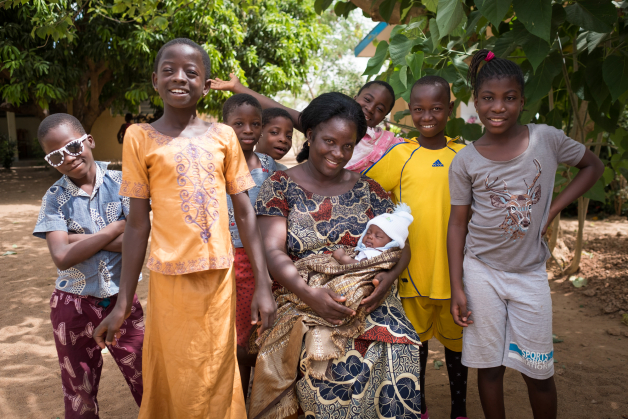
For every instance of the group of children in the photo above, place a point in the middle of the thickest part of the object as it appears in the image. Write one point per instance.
(479, 206)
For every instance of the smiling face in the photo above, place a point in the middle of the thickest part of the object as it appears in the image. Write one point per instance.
(180, 76)
(75, 167)
(499, 102)
(430, 108)
(246, 121)
(276, 138)
(331, 145)
(375, 237)
(376, 102)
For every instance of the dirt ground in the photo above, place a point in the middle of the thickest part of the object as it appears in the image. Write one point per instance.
(591, 360)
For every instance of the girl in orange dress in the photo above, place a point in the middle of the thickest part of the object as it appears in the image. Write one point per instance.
(186, 166)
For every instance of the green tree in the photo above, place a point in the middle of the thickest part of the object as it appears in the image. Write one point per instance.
(574, 55)
(86, 57)
(335, 71)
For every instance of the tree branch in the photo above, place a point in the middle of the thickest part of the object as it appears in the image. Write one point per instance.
(79, 10)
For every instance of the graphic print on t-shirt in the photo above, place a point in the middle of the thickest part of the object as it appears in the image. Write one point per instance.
(518, 206)
(437, 163)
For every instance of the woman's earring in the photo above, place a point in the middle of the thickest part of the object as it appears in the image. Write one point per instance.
(307, 143)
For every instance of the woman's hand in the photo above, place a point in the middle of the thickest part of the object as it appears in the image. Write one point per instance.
(459, 308)
(382, 283)
(328, 305)
(230, 85)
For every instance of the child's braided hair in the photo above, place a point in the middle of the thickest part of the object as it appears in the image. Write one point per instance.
(493, 68)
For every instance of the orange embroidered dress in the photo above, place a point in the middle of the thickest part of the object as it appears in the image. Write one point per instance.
(189, 362)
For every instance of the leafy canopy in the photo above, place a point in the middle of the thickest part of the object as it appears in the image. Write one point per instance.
(574, 56)
(87, 56)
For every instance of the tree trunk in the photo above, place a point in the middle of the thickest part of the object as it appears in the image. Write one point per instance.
(555, 226)
(86, 106)
(371, 8)
(555, 229)
(583, 206)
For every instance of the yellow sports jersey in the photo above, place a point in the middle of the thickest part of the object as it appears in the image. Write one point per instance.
(420, 178)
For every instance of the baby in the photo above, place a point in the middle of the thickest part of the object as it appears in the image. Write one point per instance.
(382, 233)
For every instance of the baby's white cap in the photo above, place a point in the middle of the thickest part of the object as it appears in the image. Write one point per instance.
(395, 225)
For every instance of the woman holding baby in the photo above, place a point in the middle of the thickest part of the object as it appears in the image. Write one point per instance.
(315, 208)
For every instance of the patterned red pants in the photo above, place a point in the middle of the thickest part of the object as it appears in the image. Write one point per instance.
(74, 319)
(245, 287)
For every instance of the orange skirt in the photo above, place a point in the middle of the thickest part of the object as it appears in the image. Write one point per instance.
(189, 359)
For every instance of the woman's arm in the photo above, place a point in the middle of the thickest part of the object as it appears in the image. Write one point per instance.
(263, 305)
(384, 280)
(234, 85)
(67, 253)
(591, 169)
(324, 302)
(133, 253)
(456, 235)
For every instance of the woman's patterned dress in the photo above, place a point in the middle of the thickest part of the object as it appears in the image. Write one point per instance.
(379, 375)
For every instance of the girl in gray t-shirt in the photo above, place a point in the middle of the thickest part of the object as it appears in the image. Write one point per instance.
(505, 181)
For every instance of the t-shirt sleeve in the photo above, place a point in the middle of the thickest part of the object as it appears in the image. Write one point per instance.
(50, 216)
(387, 170)
(460, 184)
(271, 199)
(380, 202)
(568, 151)
(135, 182)
(237, 176)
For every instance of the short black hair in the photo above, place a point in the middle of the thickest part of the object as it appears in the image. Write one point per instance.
(271, 113)
(494, 68)
(386, 85)
(189, 42)
(128, 117)
(56, 120)
(433, 81)
(235, 101)
(328, 106)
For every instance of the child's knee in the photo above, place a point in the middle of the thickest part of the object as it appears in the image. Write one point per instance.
(491, 374)
(542, 386)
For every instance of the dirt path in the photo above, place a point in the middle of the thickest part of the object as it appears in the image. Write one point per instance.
(591, 365)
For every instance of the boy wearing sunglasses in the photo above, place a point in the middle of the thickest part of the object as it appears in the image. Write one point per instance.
(82, 218)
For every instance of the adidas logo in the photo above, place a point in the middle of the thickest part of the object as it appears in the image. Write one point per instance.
(437, 163)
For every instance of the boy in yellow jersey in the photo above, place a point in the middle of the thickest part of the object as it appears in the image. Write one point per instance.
(416, 173)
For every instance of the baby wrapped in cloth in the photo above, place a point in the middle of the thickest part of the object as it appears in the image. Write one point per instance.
(279, 348)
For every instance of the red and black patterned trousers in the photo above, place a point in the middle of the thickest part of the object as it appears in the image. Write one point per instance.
(74, 319)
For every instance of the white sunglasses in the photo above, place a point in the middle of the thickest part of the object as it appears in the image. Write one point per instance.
(73, 148)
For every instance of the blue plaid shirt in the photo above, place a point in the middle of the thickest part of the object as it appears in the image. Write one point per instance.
(66, 207)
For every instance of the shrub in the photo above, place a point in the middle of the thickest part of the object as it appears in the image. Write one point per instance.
(7, 151)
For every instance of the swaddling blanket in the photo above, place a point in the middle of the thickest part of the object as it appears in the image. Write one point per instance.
(280, 348)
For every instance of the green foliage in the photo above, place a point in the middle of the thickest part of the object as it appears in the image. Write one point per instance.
(536, 16)
(7, 151)
(494, 11)
(375, 63)
(592, 15)
(57, 52)
(451, 14)
(615, 74)
(574, 56)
